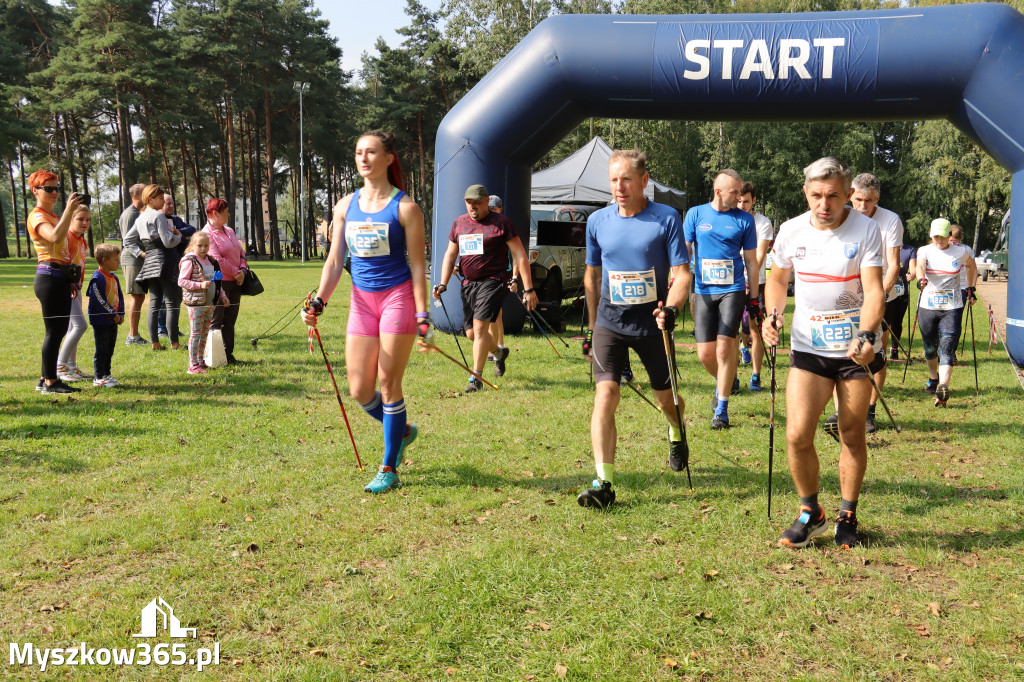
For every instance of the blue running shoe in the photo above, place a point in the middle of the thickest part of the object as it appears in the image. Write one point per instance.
(745, 355)
(410, 435)
(385, 480)
(755, 382)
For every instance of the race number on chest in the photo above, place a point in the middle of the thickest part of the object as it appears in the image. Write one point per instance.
(471, 245)
(716, 271)
(367, 240)
(631, 288)
(833, 330)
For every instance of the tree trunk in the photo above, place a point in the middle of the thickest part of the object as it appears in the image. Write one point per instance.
(14, 207)
(275, 241)
(29, 249)
(147, 126)
(229, 185)
(243, 186)
(124, 152)
(85, 174)
(977, 224)
(256, 197)
(184, 179)
(5, 250)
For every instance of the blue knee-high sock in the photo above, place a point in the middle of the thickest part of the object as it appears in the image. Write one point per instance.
(375, 408)
(394, 431)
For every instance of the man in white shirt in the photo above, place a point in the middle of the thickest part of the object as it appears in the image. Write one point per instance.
(836, 255)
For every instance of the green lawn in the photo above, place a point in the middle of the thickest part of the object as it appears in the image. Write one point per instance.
(234, 497)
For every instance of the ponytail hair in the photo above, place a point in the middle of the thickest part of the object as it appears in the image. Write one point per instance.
(396, 174)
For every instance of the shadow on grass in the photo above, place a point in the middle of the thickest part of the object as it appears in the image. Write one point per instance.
(59, 464)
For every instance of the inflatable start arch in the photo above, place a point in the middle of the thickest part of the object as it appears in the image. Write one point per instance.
(964, 63)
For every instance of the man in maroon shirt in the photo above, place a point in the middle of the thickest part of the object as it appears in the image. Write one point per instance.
(482, 239)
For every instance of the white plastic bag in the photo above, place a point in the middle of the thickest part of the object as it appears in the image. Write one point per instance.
(214, 355)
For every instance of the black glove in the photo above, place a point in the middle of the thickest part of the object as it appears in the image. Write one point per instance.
(316, 306)
(588, 342)
(921, 284)
(970, 295)
(754, 310)
(671, 312)
(423, 327)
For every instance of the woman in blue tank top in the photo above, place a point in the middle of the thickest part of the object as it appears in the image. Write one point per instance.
(382, 229)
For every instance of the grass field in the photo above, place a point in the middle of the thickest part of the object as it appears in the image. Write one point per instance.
(234, 497)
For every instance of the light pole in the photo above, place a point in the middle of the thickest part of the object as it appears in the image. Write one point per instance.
(302, 87)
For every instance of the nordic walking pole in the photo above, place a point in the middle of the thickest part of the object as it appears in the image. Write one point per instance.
(771, 419)
(910, 342)
(429, 346)
(670, 358)
(878, 391)
(639, 393)
(548, 325)
(457, 344)
(974, 348)
(538, 325)
(334, 382)
(893, 337)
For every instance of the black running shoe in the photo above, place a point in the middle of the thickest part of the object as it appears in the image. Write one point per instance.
(941, 395)
(831, 427)
(719, 424)
(930, 387)
(869, 425)
(58, 387)
(499, 361)
(600, 495)
(736, 385)
(474, 385)
(846, 531)
(894, 353)
(678, 454)
(39, 386)
(804, 529)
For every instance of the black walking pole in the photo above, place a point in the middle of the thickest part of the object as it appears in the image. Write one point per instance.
(910, 342)
(772, 351)
(441, 301)
(974, 348)
(670, 357)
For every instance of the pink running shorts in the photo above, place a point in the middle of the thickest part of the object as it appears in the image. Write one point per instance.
(392, 311)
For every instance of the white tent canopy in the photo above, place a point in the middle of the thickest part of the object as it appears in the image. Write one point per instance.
(582, 177)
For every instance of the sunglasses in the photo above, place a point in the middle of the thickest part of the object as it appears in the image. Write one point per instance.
(48, 190)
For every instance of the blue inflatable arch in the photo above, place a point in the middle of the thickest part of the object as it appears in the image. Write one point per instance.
(964, 63)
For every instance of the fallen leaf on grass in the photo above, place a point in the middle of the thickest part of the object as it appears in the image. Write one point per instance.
(451, 671)
(318, 653)
(252, 547)
(41, 517)
(787, 567)
(705, 615)
(710, 575)
(922, 630)
(935, 608)
(671, 663)
(561, 669)
(549, 502)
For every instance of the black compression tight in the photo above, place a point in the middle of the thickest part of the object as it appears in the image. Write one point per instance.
(54, 294)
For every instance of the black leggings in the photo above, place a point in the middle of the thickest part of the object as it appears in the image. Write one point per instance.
(940, 332)
(54, 294)
(224, 318)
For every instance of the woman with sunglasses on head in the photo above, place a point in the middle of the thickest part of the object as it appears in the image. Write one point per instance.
(159, 272)
(383, 229)
(55, 275)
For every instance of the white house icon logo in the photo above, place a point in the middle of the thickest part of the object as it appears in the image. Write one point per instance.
(158, 611)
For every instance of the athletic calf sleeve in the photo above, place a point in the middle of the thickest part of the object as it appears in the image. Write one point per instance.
(810, 501)
(375, 408)
(394, 432)
(847, 506)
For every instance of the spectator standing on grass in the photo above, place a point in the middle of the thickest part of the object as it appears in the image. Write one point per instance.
(201, 289)
(106, 312)
(159, 271)
(77, 250)
(836, 255)
(132, 257)
(383, 228)
(482, 240)
(186, 231)
(228, 252)
(56, 277)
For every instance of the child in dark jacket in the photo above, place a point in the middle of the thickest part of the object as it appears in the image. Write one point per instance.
(106, 311)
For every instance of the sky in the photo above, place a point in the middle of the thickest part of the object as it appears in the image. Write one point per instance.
(357, 24)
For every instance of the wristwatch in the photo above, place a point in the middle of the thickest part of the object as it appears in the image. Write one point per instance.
(867, 336)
